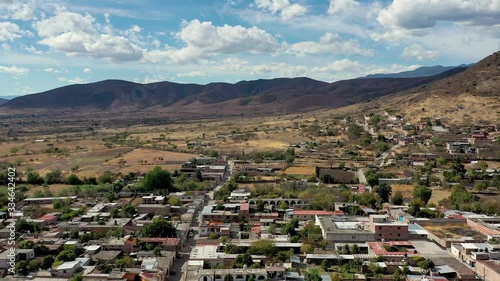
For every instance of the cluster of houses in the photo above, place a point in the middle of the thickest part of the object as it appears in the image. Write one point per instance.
(390, 233)
(103, 248)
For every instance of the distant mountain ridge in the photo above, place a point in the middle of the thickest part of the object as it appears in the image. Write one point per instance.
(424, 71)
(8, 97)
(2, 101)
(469, 97)
(263, 96)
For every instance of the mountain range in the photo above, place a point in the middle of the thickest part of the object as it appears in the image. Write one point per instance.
(419, 72)
(2, 101)
(259, 96)
(264, 96)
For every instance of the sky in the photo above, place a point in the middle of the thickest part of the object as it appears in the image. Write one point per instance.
(45, 44)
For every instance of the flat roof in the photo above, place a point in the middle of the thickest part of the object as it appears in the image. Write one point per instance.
(68, 265)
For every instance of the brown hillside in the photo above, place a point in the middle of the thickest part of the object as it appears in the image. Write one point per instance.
(470, 96)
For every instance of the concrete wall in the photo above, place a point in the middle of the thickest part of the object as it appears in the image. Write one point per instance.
(488, 274)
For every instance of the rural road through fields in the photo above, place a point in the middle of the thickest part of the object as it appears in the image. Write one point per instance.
(386, 153)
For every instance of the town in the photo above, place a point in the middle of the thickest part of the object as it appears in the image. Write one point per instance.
(373, 197)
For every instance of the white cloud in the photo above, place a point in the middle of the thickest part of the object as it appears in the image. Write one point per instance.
(10, 31)
(76, 80)
(18, 9)
(195, 73)
(415, 14)
(342, 7)
(418, 52)
(53, 70)
(340, 66)
(347, 68)
(75, 34)
(31, 49)
(234, 65)
(286, 10)
(203, 40)
(329, 43)
(14, 70)
(87, 71)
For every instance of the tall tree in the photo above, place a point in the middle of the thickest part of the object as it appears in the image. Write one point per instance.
(312, 275)
(423, 193)
(397, 199)
(384, 191)
(158, 179)
(159, 228)
(263, 247)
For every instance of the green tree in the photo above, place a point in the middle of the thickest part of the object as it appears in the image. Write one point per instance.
(55, 176)
(312, 275)
(324, 265)
(77, 277)
(111, 196)
(35, 264)
(47, 262)
(174, 201)
(483, 165)
(230, 248)
(22, 267)
(354, 249)
(426, 264)
(24, 226)
(336, 277)
(283, 205)
(414, 209)
(423, 193)
(73, 180)
(244, 259)
(384, 191)
(157, 251)
(158, 179)
(397, 199)
(66, 255)
(105, 177)
(159, 228)
(396, 276)
(128, 211)
(480, 186)
(307, 248)
(26, 244)
(213, 236)
(372, 179)
(263, 247)
(33, 177)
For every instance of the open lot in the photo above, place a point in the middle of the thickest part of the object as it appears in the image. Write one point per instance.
(453, 230)
(310, 170)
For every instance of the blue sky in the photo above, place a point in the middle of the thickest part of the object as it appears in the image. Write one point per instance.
(46, 44)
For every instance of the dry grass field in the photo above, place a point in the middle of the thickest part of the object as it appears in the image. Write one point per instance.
(453, 230)
(406, 190)
(54, 188)
(439, 194)
(301, 171)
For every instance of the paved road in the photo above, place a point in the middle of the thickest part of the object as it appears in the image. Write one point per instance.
(361, 176)
(181, 263)
(386, 153)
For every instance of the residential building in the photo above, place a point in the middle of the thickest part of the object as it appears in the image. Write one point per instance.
(67, 269)
(388, 230)
(488, 270)
(346, 231)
